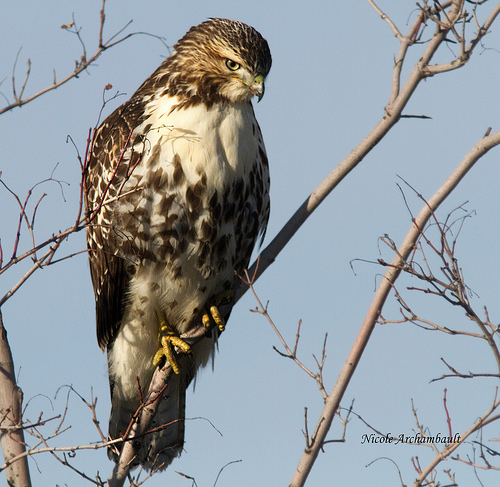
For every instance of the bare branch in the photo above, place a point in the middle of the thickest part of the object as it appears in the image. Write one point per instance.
(387, 19)
(263, 311)
(392, 273)
(485, 419)
(466, 51)
(80, 65)
(394, 109)
(11, 431)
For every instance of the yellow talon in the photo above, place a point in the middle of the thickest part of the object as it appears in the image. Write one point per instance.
(168, 340)
(215, 313)
(167, 352)
(219, 321)
(205, 320)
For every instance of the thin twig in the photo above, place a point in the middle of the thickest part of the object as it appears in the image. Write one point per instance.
(447, 451)
(80, 65)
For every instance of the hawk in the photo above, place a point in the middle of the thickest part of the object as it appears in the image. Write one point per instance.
(177, 194)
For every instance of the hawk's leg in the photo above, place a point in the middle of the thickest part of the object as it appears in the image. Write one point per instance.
(213, 311)
(168, 339)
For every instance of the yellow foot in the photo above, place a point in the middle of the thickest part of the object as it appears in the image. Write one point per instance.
(168, 339)
(213, 311)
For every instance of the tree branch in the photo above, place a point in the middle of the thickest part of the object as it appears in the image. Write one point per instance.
(394, 110)
(333, 402)
(485, 419)
(80, 65)
(11, 431)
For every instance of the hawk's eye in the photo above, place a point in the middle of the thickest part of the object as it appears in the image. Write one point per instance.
(232, 65)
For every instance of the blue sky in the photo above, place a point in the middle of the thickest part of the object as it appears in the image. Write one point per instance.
(330, 81)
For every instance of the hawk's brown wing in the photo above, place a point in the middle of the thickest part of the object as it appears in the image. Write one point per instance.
(107, 168)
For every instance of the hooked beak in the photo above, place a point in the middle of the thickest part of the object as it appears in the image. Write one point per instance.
(258, 87)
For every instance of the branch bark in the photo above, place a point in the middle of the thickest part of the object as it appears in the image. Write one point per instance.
(11, 432)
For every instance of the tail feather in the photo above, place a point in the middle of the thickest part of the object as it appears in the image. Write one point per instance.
(165, 442)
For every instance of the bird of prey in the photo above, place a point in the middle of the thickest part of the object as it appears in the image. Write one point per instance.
(177, 194)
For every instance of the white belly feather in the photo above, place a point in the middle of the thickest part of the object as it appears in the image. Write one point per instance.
(219, 142)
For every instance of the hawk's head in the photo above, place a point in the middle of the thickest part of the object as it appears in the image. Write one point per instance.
(218, 60)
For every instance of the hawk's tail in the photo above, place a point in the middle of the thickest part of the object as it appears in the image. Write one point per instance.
(165, 440)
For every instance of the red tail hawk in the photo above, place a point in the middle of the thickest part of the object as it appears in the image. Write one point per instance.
(177, 191)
